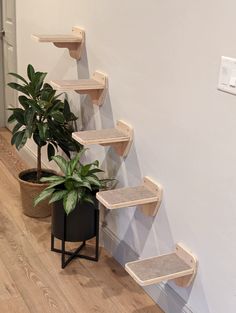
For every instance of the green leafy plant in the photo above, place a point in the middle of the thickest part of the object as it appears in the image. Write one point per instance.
(42, 116)
(78, 182)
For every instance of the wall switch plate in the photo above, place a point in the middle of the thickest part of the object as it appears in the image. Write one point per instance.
(227, 76)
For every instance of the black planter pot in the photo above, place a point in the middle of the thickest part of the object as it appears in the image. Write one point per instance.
(80, 225)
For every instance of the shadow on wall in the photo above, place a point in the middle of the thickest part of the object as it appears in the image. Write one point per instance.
(130, 234)
(64, 65)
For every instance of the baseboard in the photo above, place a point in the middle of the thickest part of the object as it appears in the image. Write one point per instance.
(162, 294)
(29, 156)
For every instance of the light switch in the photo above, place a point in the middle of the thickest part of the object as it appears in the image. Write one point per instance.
(227, 77)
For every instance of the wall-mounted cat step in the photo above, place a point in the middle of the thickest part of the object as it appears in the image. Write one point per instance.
(95, 87)
(181, 266)
(148, 196)
(74, 42)
(120, 137)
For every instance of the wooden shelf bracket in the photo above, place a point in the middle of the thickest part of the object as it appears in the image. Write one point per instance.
(95, 87)
(180, 266)
(74, 43)
(148, 197)
(120, 137)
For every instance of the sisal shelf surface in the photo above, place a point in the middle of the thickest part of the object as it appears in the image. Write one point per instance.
(81, 84)
(103, 136)
(126, 197)
(157, 269)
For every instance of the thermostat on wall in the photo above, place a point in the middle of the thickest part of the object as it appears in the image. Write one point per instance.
(227, 77)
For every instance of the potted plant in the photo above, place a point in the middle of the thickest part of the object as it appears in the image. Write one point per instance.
(47, 119)
(75, 214)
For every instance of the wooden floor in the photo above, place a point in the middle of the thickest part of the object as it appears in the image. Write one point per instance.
(31, 280)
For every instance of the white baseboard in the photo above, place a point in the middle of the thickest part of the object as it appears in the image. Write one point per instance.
(162, 294)
(29, 156)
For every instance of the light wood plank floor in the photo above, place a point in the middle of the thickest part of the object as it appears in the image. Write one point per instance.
(31, 280)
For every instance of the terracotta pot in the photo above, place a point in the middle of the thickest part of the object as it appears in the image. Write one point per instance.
(29, 191)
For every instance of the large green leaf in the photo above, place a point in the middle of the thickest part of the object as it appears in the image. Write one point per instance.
(16, 128)
(23, 140)
(19, 115)
(88, 199)
(14, 137)
(24, 101)
(93, 181)
(50, 151)
(70, 201)
(95, 170)
(58, 116)
(30, 72)
(69, 169)
(38, 140)
(50, 179)
(19, 77)
(56, 183)
(61, 162)
(29, 120)
(85, 184)
(53, 107)
(42, 127)
(76, 159)
(77, 178)
(66, 110)
(18, 87)
(70, 184)
(11, 118)
(38, 80)
(35, 106)
(84, 169)
(48, 95)
(43, 195)
(47, 86)
(58, 195)
(19, 139)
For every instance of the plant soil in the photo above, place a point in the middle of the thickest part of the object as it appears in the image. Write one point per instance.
(32, 176)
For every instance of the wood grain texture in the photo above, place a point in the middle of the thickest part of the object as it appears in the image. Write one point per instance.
(31, 280)
(74, 42)
(95, 87)
(8, 154)
(56, 38)
(81, 84)
(101, 136)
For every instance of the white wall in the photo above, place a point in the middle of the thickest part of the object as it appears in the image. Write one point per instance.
(162, 58)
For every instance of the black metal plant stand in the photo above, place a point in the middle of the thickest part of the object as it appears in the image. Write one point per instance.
(76, 253)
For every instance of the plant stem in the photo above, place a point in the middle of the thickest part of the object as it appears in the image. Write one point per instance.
(39, 165)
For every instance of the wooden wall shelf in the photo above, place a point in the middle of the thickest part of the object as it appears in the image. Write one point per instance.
(120, 137)
(94, 87)
(74, 42)
(148, 196)
(181, 266)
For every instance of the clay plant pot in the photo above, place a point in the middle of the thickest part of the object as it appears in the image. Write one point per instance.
(29, 190)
